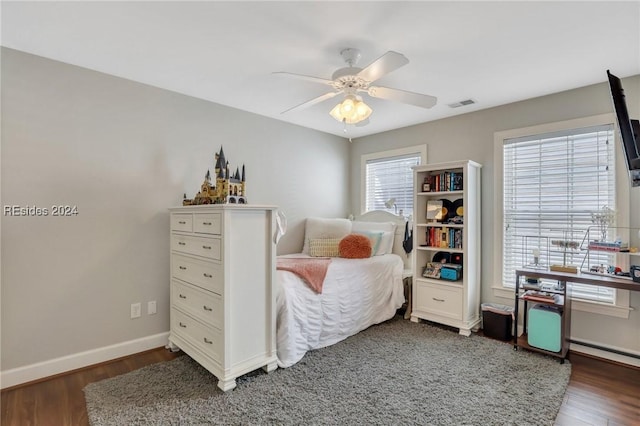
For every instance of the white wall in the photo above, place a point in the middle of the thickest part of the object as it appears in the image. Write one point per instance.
(471, 136)
(123, 152)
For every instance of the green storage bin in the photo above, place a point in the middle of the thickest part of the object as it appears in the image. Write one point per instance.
(545, 328)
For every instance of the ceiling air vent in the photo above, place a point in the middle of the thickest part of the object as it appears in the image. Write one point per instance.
(462, 103)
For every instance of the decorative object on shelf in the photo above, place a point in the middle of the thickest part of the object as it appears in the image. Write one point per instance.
(447, 209)
(611, 257)
(565, 245)
(535, 253)
(426, 185)
(228, 189)
(451, 272)
(458, 207)
(603, 219)
(536, 256)
(434, 210)
(432, 270)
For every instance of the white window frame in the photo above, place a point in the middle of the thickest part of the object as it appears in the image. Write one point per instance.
(400, 152)
(621, 307)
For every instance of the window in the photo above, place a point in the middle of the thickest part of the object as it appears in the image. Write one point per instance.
(387, 176)
(553, 178)
(552, 184)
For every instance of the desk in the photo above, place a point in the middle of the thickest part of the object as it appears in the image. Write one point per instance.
(563, 277)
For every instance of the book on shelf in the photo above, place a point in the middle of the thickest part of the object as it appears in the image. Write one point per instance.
(446, 181)
(444, 237)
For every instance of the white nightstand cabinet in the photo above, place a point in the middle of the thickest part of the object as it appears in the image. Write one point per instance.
(455, 303)
(223, 288)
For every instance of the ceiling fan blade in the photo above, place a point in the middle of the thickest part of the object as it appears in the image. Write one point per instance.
(312, 102)
(305, 77)
(386, 63)
(417, 99)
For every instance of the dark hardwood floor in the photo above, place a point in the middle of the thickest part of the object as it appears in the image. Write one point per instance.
(599, 393)
(59, 401)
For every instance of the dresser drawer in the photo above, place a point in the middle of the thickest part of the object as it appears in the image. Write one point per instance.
(207, 223)
(208, 339)
(205, 306)
(207, 275)
(199, 246)
(441, 300)
(182, 222)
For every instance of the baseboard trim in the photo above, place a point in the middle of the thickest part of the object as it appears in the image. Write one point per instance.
(41, 370)
(611, 354)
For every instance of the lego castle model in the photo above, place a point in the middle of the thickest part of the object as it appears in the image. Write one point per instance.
(227, 189)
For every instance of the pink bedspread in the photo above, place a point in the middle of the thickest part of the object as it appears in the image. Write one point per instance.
(312, 271)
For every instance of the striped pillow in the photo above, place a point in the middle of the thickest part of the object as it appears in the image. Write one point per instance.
(324, 247)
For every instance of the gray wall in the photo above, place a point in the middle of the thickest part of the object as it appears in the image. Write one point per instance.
(471, 136)
(123, 152)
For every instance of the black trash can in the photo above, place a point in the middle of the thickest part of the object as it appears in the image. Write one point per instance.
(497, 321)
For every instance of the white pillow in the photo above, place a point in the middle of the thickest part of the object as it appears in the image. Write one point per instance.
(317, 227)
(388, 230)
(374, 237)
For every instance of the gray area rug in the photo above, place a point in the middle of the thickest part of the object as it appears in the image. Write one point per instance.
(397, 372)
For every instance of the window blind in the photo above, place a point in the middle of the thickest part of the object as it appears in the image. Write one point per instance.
(388, 178)
(552, 184)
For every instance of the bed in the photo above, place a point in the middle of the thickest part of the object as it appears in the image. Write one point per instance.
(356, 293)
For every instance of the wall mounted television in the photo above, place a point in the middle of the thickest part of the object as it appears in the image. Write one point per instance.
(629, 129)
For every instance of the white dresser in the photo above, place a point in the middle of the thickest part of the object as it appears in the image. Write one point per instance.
(222, 288)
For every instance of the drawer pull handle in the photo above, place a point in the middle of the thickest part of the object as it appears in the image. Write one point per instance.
(206, 308)
(180, 243)
(206, 247)
(182, 296)
(207, 275)
(438, 300)
(206, 223)
(184, 268)
(183, 325)
(210, 342)
(182, 222)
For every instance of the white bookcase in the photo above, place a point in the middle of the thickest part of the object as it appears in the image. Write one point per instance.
(453, 302)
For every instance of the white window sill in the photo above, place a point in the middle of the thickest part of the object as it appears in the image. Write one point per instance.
(620, 310)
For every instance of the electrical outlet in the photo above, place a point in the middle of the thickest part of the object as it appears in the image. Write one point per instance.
(151, 307)
(135, 310)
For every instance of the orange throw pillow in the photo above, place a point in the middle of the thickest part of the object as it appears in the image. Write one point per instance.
(355, 246)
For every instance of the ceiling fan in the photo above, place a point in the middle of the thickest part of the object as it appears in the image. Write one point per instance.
(352, 80)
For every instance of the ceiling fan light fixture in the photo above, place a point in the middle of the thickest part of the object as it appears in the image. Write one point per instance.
(351, 110)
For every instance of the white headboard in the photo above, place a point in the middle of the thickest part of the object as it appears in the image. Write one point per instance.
(383, 216)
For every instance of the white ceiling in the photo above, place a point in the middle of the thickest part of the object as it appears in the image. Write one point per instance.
(225, 52)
